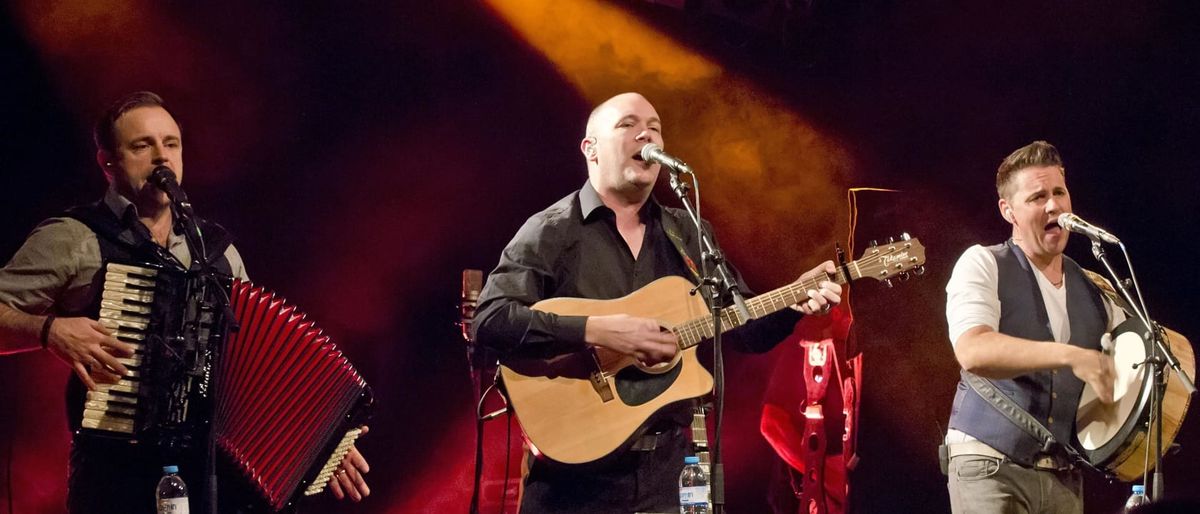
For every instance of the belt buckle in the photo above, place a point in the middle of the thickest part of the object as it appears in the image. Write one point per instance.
(1049, 462)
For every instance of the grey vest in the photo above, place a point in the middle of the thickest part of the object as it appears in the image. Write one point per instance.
(1051, 396)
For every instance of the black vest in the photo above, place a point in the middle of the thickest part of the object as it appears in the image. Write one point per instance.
(128, 241)
(1047, 395)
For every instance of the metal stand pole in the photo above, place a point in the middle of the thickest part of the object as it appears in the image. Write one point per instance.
(717, 281)
(1160, 356)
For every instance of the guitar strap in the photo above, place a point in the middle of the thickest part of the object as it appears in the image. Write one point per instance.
(699, 414)
(671, 228)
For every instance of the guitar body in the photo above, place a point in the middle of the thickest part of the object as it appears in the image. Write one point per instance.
(579, 407)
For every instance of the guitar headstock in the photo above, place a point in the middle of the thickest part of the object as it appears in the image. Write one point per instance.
(894, 259)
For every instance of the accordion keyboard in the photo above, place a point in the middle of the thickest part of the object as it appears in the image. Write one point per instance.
(125, 309)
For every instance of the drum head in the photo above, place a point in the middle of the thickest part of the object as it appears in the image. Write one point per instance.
(1104, 428)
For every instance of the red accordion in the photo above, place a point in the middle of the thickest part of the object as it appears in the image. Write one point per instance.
(287, 403)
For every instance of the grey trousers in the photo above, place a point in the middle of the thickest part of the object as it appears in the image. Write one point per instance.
(989, 485)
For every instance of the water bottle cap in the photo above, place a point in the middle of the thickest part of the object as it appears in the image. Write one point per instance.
(170, 469)
(1139, 489)
(691, 459)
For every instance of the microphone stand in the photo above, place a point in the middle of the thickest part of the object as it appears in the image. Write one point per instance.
(1160, 355)
(718, 281)
(181, 209)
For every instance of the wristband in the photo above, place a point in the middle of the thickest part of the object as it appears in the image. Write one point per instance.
(46, 330)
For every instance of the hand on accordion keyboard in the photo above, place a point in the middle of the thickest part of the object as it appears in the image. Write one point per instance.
(348, 479)
(89, 349)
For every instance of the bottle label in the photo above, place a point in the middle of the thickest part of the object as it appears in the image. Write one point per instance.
(693, 495)
(173, 506)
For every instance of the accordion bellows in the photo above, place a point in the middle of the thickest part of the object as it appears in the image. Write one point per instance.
(285, 390)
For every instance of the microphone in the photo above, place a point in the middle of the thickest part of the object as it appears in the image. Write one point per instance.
(1073, 223)
(654, 153)
(163, 178)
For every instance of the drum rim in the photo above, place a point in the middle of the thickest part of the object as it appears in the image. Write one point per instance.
(1124, 436)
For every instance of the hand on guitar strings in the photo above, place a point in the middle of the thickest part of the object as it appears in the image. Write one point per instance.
(348, 479)
(823, 300)
(89, 349)
(642, 338)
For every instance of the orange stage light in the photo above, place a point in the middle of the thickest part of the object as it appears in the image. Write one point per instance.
(768, 174)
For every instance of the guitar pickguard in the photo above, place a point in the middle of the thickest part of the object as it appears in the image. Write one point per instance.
(636, 387)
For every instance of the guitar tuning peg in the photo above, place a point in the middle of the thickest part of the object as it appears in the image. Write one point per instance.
(919, 270)
(889, 283)
(874, 243)
(891, 240)
(904, 236)
(904, 276)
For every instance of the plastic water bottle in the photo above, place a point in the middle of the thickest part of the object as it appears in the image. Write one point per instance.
(693, 487)
(171, 496)
(1138, 498)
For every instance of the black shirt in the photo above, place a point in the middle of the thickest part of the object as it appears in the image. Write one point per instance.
(573, 249)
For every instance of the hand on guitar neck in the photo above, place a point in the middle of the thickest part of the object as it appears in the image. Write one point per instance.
(820, 301)
(642, 338)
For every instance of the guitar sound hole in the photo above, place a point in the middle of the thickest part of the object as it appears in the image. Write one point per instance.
(636, 387)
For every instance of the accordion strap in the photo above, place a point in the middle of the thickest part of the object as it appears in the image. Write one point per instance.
(133, 239)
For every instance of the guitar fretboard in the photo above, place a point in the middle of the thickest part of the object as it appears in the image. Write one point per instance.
(694, 331)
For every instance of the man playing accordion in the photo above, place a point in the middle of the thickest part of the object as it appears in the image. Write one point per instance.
(49, 299)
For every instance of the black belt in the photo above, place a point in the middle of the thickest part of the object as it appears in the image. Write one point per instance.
(655, 437)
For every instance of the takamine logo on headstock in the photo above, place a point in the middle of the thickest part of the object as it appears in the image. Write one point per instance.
(894, 259)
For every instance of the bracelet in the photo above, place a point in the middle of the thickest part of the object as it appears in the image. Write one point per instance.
(46, 330)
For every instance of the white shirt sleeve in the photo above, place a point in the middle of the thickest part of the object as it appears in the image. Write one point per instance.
(236, 266)
(972, 297)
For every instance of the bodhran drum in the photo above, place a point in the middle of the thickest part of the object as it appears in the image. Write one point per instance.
(1114, 437)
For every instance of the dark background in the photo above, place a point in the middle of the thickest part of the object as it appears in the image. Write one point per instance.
(365, 153)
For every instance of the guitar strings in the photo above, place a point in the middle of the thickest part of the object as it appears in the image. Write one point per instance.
(693, 331)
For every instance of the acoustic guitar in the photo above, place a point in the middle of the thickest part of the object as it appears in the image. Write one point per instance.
(579, 407)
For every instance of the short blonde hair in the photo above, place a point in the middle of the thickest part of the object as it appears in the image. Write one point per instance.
(1037, 153)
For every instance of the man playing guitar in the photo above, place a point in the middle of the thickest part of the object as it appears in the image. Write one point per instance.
(605, 241)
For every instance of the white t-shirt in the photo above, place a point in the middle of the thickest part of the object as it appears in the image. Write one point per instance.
(973, 299)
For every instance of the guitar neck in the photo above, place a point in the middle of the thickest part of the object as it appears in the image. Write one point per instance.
(692, 332)
(881, 263)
